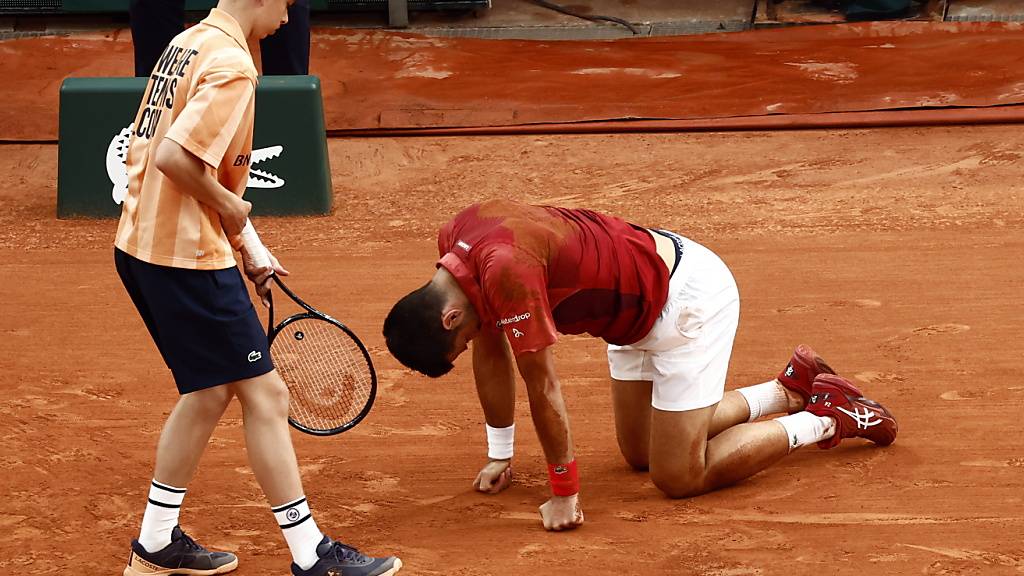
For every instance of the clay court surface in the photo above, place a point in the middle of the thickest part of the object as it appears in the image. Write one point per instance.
(896, 253)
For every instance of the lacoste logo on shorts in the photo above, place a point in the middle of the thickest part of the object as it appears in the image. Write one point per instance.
(292, 514)
(255, 356)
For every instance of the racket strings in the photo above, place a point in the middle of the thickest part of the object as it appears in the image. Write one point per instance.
(326, 371)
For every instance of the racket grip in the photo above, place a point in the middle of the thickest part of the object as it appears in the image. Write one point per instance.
(254, 247)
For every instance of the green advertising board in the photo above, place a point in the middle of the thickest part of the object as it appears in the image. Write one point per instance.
(289, 171)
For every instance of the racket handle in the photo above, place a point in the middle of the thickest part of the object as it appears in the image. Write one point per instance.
(254, 247)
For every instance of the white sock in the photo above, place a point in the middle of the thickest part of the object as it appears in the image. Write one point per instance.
(300, 531)
(161, 516)
(763, 399)
(804, 428)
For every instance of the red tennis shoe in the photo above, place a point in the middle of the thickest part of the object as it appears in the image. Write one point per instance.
(801, 371)
(855, 415)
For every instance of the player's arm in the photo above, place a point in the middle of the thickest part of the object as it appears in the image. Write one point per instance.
(189, 173)
(494, 373)
(551, 420)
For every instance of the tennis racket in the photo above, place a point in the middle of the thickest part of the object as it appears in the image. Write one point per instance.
(329, 374)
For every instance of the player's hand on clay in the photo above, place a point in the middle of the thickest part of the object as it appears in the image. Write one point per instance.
(494, 477)
(562, 513)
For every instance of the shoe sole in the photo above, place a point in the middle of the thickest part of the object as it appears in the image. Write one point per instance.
(394, 569)
(131, 571)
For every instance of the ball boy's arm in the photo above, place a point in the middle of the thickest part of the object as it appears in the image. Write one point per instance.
(190, 175)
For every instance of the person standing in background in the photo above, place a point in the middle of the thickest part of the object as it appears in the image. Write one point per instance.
(155, 22)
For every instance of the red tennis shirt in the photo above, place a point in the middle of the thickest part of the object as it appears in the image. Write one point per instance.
(534, 271)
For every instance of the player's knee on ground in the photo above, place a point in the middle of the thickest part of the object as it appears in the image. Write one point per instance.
(636, 458)
(678, 484)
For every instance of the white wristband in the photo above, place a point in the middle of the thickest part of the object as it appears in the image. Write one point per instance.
(500, 441)
(257, 251)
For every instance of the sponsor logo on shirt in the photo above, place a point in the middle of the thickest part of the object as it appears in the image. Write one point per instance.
(463, 245)
(255, 355)
(513, 319)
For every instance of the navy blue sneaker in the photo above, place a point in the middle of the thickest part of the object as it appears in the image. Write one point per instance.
(182, 556)
(337, 559)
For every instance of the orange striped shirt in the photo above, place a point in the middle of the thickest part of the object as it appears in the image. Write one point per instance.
(202, 96)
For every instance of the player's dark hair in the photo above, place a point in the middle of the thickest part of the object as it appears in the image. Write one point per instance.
(415, 335)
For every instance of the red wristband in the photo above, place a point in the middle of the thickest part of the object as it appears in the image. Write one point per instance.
(565, 479)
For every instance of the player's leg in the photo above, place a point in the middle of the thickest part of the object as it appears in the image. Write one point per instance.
(789, 391)
(631, 402)
(684, 462)
(701, 291)
(286, 52)
(700, 439)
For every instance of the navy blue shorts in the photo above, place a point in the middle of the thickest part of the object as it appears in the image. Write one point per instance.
(202, 321)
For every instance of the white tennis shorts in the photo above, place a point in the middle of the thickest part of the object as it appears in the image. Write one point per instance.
(686, 354)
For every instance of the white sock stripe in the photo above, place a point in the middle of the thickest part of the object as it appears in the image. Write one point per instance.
(300, 531)
(284, 507)
(293, 515)
(161, 516)
(162, 496)
(169, 488)
(297, 522)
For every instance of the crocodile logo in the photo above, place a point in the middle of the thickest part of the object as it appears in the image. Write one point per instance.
(117, 152)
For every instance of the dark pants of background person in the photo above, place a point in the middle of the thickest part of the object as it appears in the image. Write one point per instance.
(155, 22)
